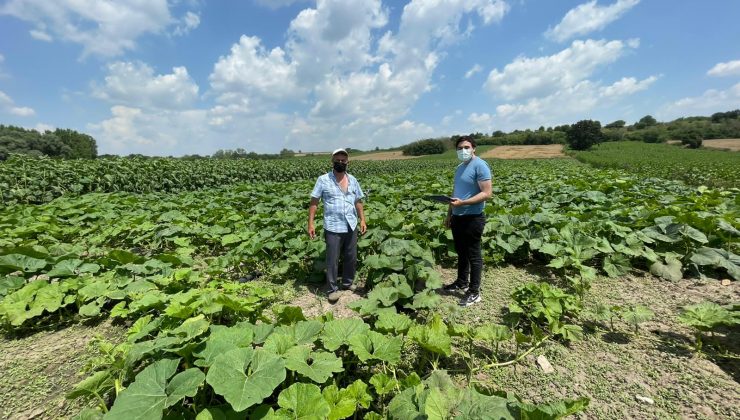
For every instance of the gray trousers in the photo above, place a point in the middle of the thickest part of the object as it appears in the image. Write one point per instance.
(344, 244)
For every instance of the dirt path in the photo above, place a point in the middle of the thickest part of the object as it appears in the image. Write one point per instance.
(724, 144)
(544, 151)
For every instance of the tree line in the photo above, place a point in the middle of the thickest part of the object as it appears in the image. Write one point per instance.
(62, 143)
(581, 135)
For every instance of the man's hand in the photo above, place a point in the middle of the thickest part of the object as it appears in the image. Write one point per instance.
(311, 231)
(456, 202)
(363, 227)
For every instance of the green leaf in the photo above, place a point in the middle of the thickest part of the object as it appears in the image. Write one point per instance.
(637, 315)
(338, 332)
(671, 270)
(318, 366)
(288, 315)
(184, 384)
(95, 385)
(706, 316)
(393, 322)
(10, 284)
(493, 333)
(221, 340)
(617, 265)
(244, 377)
(65, 268)
(376, 346)
(407, 403)
(383, 383)
(433, 336)
(304, 401)
(146, 398)
(17, 262)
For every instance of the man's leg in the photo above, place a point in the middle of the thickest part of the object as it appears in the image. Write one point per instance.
(333, 244)
(473, 236)
(463, 265)
(349, 258)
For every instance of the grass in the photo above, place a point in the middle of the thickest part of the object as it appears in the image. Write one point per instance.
(612, 368)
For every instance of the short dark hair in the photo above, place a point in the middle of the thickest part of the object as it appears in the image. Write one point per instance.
(465, 138)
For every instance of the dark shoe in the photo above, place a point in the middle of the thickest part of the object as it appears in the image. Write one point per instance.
(333, 297)
(352, 287)
(455, 287)
(469, 299)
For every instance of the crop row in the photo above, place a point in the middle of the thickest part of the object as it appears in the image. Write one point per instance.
(712, 168)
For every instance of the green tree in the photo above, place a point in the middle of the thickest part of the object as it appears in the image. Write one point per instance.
(584, 134)
(616, 124)
(79, 145)
(646, 121)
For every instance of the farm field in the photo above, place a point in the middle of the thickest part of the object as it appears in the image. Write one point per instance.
(717, 168)
(722, 144)
(628, 285)
(525, 152)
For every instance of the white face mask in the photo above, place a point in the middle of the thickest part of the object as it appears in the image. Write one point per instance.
(465, 154)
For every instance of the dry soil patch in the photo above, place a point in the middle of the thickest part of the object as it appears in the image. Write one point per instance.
(395, 155)
(545, 151)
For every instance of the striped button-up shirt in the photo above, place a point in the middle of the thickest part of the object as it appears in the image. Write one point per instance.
(340, 214)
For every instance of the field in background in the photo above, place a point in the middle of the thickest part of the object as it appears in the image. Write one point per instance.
(722, 144)
(545, 151)
(152, 258)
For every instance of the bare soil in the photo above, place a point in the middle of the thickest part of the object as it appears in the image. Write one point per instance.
(613, 368)
(545, 151)
(395, 155)
(722, 144)
(39, 369)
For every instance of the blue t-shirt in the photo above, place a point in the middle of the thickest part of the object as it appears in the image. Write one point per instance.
(467, 176)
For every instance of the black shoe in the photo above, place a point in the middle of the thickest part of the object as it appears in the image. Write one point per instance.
(469, 299)
(352, 287)
(455, 287)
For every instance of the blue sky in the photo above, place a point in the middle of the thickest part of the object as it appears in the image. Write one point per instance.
(174, 77)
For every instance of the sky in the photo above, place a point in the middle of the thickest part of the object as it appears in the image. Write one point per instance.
(177, 77)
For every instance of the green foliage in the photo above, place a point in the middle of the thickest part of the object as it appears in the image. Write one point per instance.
(714, 168)
(707, 317)
(59, 143)
(425, 147)
(637, 315)
(584, 134)
(543, 305)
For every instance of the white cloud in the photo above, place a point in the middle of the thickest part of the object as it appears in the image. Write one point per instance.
(187, 23)
(40, 35)
(481, 122)
(7, 105)
(541, 76)
(250, 71)
(473, 70)
(627, 86)
(135, 84)
(276, 4)
(42, 128)
(588, 17)
(711, 101)
(730, 68)
(103, 27)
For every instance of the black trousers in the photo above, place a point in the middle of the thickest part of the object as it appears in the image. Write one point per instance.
(466, 232)
(344, 244)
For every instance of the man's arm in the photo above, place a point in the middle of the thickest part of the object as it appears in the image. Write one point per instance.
(486, 191)
(361, 215)
(311, 214)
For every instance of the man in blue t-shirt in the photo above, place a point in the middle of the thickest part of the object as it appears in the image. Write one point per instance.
(466, 219)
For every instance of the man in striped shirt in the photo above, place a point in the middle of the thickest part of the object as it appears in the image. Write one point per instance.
(343, 217)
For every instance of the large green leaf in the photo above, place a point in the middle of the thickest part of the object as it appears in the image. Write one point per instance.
(221, 340)
(338, 332)
(318, 366)
(374, 345)
(671, 270)
(17, 262)
(151, 392)
(433, 337)
(303, 401)
(617, 265)
(245, 377)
